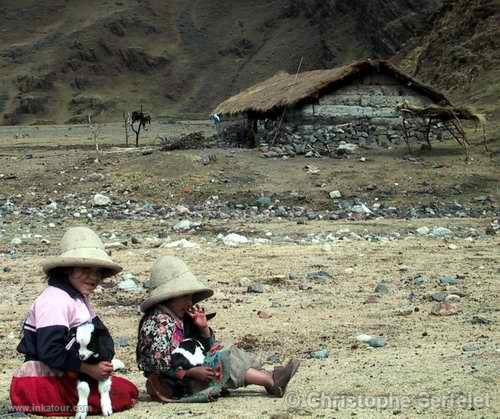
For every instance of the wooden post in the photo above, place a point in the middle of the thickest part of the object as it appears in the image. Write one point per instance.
(94, 131)
(126, 124)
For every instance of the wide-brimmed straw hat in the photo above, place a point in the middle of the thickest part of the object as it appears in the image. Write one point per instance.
(81, 247)
(170, 278)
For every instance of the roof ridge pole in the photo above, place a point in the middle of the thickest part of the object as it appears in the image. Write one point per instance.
(284, 109)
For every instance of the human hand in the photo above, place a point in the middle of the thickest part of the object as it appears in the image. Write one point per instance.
(216, 347)
(203, 374)
(99, 371)
(199, 317)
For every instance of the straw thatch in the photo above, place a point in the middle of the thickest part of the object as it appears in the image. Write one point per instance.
(441, 113)
(284, 90)
(450, 116)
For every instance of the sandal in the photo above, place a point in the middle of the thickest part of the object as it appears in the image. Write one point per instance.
(281, 378)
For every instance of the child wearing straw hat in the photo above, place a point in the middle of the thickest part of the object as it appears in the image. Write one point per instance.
(46, 383)
(171, 315)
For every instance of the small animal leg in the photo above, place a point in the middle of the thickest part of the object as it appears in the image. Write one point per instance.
(105, 390)
(82, 408)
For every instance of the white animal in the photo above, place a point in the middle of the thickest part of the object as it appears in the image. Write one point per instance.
(95, 345)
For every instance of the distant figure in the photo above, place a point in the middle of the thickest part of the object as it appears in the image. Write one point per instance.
(215, 118)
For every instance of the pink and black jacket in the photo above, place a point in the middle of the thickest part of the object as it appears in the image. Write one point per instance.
(49, 331)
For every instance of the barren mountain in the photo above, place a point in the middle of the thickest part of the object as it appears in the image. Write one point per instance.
(61, 59)
(461, 53)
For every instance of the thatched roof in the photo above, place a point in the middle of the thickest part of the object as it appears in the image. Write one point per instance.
(448, 113)
(284, 90)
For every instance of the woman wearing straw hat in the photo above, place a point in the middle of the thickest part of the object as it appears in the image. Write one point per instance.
(172, 314)
(46, 383)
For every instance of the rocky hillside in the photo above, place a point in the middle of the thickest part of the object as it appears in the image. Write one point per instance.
(461, 53)
(62, 59)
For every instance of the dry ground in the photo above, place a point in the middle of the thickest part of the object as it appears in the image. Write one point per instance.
(330, 316)
(422, 371)
(62, 157)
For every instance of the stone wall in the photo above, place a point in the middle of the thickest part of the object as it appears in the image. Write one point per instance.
(374, 96)
(363, 113)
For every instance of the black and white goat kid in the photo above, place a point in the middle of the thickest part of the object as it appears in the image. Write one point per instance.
(96, 345)
(189, 354)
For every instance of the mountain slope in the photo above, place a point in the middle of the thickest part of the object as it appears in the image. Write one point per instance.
(61, 59)
(461, 53)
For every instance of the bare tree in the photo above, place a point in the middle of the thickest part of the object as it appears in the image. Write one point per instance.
(94, 130)
(141, 119)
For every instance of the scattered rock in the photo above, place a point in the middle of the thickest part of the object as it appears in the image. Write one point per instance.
(423, 231)
(480, 320)
(382, 289)
(321, 277)
(471, 347)
(445, 309)
(452, 246)
(335, 194)
(114, 246)
(312, 170)
(264, 315)
(439, 296)
(452, 298)
(264, 202)
(363, 338)
(244, 282)
(373, 341)
(346, 148)
(234, 239)
(372, 299)
(406, 310)
(448, 280)
(181, 244)
(256, 288)
(361, 209)
(185, 225)
(128, 282)
(101, 200)
(376, 342)
(441, 232)
(321, 354)
(304, 286)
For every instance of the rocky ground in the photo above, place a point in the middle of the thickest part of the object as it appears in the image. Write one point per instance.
(379, 271)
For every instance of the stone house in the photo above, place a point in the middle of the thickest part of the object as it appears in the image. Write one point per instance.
(357, 103)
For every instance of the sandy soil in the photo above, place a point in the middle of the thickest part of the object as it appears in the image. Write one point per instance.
(423, 371)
